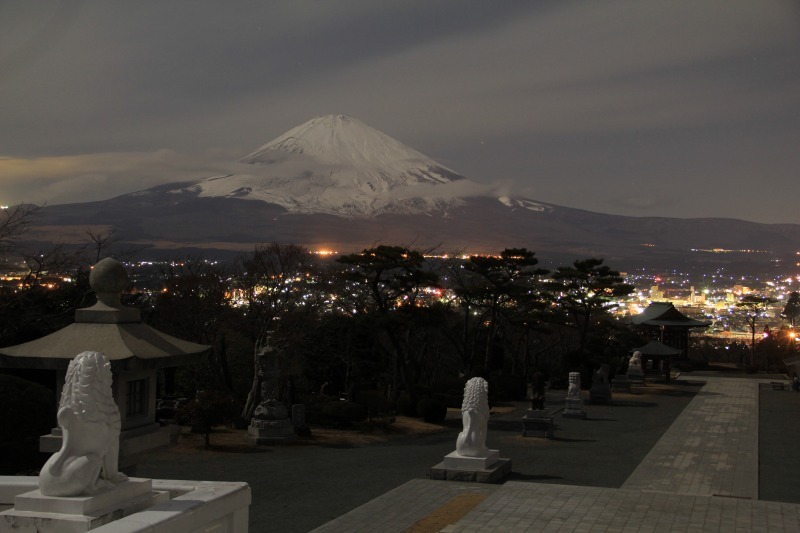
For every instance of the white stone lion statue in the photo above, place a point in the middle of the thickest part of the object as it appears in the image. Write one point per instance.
(574, 390)
(88, 459)
(471, 442)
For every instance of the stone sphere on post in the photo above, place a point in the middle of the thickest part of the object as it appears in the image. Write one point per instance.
(108, 279)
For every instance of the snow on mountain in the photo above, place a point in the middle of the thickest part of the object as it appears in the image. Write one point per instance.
(335, 164)
(524, 203)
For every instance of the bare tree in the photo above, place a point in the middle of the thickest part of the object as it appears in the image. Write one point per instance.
(104, 241)
(14, 222)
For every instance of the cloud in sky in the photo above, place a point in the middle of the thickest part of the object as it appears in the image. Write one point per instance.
(579, 103)
(85, 178)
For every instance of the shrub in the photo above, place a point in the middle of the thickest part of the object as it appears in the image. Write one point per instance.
(508, 387)
(317, 401)
(432, 410)
(405, 406)
(345, 410)
(450, 400)
(375, 403)
(210, 408)
(448, 385)
(27, 410)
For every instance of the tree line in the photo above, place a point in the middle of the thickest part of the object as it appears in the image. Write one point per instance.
(388, 318)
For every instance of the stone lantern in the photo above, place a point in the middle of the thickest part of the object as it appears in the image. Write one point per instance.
(136, 352)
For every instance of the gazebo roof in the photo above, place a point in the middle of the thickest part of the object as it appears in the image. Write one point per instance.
(108, 327)
(665, 314)
(657, 348)
(117, 341)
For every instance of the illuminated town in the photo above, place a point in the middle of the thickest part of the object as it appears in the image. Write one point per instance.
(711, 296)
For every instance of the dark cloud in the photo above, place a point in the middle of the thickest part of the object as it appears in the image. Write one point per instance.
(671, 108)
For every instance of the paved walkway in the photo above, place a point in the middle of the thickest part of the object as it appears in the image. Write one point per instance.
(712, 447)
(701, 476)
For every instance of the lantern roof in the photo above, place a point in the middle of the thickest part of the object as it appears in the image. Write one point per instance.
(108, 327)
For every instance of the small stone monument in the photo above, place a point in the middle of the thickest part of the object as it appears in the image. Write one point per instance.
(574, 403)
(473, 460)
(537, 422)
(537, 391)
(80, 486)
(635, 373)
(601, 388)
(270, 423)
(299, 420)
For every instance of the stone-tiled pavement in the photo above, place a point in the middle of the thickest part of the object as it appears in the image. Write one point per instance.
(702, 475)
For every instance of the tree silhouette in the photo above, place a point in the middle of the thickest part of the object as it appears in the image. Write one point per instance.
(501, 290)
(276, 282)
(791, 310)
(754, 305)
(586, 289)
(387, 281)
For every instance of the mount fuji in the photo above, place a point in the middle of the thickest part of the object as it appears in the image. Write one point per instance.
(336, 183)
(338, 165)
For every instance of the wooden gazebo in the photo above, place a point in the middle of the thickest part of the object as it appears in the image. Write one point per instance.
(661, 321)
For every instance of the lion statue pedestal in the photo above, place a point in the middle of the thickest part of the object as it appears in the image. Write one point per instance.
(473, 460)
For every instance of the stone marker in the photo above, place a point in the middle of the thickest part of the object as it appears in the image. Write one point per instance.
(537, 423)
(601, 388)
(574, 403)
(299, 415)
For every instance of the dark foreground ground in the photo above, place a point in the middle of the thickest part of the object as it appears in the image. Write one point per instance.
(297, 488)
(778, 445)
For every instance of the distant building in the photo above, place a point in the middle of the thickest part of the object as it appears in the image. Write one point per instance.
(741, 290)
(655, 294)
(661, 321)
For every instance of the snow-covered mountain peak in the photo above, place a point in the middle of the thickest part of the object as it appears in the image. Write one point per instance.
(338, 165)
(344, 140)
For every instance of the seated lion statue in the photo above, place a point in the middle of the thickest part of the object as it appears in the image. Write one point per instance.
(471, 442)
(574, 390)
(88, 459)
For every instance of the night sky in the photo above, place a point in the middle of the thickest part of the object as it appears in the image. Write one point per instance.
(669, 108)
